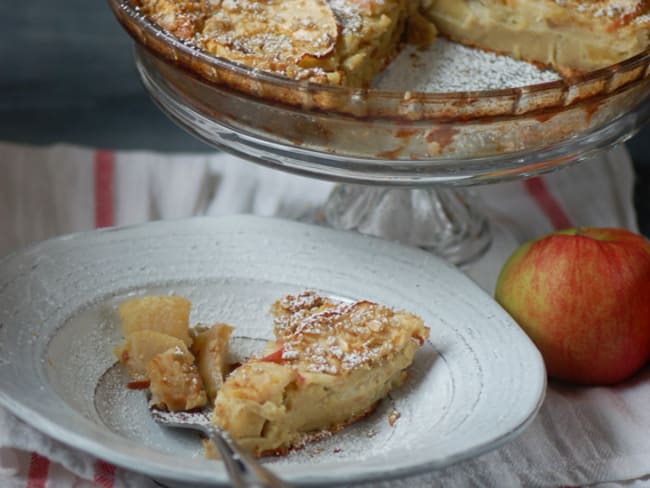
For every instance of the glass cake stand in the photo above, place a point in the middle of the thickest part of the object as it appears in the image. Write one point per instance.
(405, 159)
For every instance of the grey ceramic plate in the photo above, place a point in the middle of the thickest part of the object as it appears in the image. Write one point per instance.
(475, 386)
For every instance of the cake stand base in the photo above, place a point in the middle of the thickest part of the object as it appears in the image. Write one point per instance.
(445, 221)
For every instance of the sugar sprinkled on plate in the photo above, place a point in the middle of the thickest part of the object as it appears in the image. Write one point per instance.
(446, 66)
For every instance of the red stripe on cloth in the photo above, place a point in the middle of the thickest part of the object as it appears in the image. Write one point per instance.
(104, 474)
(37, 474)
(104, 167)
(537, 188)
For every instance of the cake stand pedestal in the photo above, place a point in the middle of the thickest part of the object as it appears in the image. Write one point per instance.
(445, 221)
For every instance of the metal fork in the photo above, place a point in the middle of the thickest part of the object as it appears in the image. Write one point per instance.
(243, 469)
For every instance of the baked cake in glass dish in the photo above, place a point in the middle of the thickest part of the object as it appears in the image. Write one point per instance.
(348, 42)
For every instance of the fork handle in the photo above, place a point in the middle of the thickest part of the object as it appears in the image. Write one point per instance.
(244, 470)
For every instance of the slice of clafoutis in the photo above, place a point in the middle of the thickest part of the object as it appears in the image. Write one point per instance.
(330, 364)
(572, 36)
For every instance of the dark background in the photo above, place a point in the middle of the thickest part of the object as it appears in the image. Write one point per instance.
(67, 75)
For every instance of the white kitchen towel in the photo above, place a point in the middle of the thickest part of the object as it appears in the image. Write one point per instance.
(582, 436)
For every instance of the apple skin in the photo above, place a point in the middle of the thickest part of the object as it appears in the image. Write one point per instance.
(583, 297)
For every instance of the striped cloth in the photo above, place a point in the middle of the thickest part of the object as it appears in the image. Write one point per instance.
(61, 189)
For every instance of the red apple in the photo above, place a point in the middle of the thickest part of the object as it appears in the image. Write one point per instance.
(583, 297)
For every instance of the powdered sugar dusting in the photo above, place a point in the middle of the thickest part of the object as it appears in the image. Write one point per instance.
(450, 67)
(331, 336)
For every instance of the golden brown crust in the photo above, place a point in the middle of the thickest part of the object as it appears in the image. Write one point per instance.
(319, 334)
(338, 42)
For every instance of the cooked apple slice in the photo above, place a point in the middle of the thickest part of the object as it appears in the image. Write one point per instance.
(211, 350)
(291, 29)
(165, 314)
(252, 396)
(175, 383)
(141, 346)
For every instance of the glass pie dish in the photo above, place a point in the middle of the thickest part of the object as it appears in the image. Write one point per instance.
(392, 138)
(375, 136)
